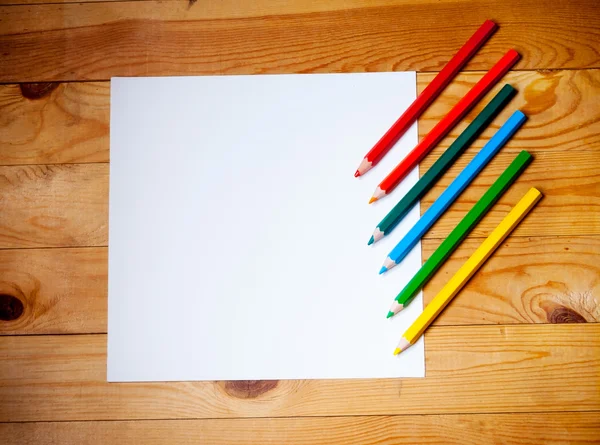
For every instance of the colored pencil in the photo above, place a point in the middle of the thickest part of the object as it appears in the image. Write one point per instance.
(459, 233)
(423, 185)
(423, 100)
(445, 125)
(454, 190)
(467, 270)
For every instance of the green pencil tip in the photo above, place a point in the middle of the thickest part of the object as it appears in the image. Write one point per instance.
(390, 314)
(371, 241)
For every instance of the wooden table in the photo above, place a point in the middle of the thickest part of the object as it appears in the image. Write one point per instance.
(515, 358)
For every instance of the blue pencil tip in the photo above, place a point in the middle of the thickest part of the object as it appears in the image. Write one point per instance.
(382, 270)
(371, 241)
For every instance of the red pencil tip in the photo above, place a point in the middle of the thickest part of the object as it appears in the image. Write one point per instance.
(356, 174)
(372, 200)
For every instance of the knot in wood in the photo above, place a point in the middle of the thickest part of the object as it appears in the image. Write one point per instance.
(35, 91)
(249, 389)
(11, 307)
(561, 314)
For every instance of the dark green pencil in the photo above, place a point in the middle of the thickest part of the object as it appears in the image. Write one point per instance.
(459, 233)
(466, 138)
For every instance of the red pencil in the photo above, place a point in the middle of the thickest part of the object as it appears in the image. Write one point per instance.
(428, 95)
(444, 126)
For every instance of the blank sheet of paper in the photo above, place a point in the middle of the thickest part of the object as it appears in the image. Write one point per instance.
(238, 232)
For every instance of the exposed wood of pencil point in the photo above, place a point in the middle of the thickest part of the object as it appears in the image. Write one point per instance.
(377, 235)
(365, 166)
(402, 346)
(396, 307)
(378, 193)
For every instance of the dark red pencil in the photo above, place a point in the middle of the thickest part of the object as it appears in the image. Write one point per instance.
(428, 95)
(444, 126)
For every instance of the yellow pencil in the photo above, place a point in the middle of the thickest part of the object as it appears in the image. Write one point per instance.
(468, 269)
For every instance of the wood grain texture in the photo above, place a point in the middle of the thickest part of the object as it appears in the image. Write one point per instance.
(563, 125)
(45, 2)
(484, 369)
(570, 184)
(528, 280)
(54, 205)
(96, 41)
(78, 193)
(561, 106)
(224, 10)
(507, 384)
(62, 291)
(54, 123)
(68, 122)
(508, 429)
(67, 205)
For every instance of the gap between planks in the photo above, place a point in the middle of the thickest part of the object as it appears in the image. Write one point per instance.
(472, 238)
(343, 416)
(419, 72)
(430, 329)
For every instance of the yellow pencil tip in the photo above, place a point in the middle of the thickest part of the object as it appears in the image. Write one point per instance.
(372, 200)
(397, 351)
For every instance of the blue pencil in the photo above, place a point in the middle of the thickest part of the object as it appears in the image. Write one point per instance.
(449, 195)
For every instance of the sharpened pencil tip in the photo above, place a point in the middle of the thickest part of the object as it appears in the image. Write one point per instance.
(382, 270)
(395, 308)
(397, 351)
(372, 200)
(371, 241)
(356, 174)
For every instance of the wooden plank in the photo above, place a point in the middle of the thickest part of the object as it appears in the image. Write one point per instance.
(54, 205)
(486, 369)
(556, 112)
(59, 291)
(95, 41)
(52, 123)
(43, 2)
(67, 205)
(224, 10)
(570, 184)
(462, 429)
(561, 105)
(529, 280)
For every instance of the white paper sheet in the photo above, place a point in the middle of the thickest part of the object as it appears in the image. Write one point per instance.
(238, 233)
